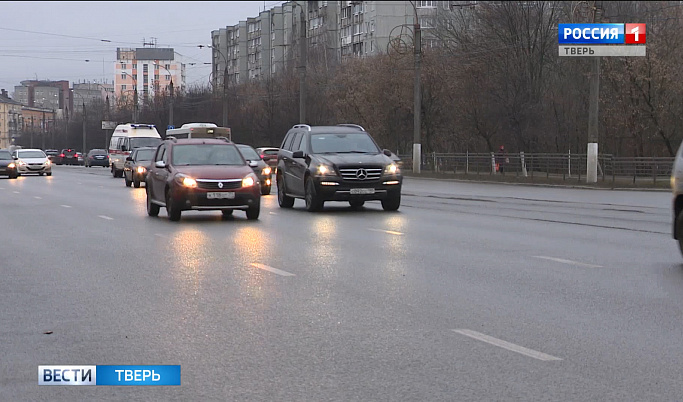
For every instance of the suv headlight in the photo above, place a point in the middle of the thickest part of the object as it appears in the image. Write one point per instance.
(11, 165)
(325, 170)
(22, 163)
(249, 180)
(186, 181)
(47, 162)
(141, 170)
(392, 169)
(266, 171)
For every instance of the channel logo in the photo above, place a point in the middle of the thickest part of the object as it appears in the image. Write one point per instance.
(601, 34)
(108, 375)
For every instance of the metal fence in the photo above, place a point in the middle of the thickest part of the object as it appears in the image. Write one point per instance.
(549, 166)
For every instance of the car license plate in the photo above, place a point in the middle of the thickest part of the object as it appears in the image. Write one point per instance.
(213, 196)
(362, 191)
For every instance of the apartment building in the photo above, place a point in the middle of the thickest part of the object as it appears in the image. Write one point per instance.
(150, 70)
(92, 92)
(43, 94)
(10, 118)
(334, 30)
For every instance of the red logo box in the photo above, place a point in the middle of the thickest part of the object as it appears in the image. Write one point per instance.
(634, 34)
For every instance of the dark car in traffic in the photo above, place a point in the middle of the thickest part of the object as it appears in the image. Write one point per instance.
(97, 157)
(8, 165)
(336, 163)
(68, 156)
(136, 166)
(269, 155)
(201, 174)
(53, 155)
(262, 170)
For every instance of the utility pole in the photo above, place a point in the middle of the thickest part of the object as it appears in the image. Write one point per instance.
(31, 131)
(225, 94)
(593, 105)
(83, 128)
(417, 93)
(302, 67)
(170, 106)
(43, 132)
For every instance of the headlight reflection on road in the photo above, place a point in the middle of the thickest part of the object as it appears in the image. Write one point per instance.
(251, 245)
(189, 248)
(139, 197)
(324, 247)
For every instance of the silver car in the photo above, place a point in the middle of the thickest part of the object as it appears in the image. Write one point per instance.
(32, 161)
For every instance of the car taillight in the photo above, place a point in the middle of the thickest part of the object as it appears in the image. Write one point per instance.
(61, 156)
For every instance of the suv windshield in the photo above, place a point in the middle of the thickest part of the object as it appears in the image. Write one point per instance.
(144, 142)
(145, 155)
(206, 154)
(5, 156)
(342, 143)
(249, 152)
(30, 154)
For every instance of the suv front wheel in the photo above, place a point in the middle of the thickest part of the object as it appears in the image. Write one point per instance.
(172, 208)
(282, 199)
(313, 202)
(392, 202)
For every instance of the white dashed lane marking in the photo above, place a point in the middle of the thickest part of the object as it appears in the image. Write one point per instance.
(105, 217)
(271, 269)
(506, 345)
(65, 206)
(37, 197)
(15, 192)
(570, 262)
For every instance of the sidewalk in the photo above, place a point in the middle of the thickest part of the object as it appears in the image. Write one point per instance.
(620, 183)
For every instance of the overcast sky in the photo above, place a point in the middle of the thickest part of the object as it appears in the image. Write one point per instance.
(53, 40)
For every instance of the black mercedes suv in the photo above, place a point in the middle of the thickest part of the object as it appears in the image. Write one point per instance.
(335, 163)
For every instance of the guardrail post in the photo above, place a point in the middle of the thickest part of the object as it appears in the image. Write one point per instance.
(521, 156)
(493, 163)
(654, 171)
(467, 162)
(547, 167)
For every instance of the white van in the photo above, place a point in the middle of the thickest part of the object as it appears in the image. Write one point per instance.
(127, 137)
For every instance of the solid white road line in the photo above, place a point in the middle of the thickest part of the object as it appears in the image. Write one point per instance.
(65, 206)
(105, 217)
(506, 345)
(271, 269)
(159, 235)
(570, 262)
(272, 213)
(393, 232)
(37, 197)
(16, 192)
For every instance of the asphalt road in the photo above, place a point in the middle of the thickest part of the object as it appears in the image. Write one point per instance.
(471, 291)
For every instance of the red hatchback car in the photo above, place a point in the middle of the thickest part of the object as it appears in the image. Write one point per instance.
(201, 174)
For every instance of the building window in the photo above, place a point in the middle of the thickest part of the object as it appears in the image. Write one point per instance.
(123, 76)
(168, 77)
(123, 87)
(145, 68)
(123, 66)
(426, 4)
(156, 77)
(426, 22)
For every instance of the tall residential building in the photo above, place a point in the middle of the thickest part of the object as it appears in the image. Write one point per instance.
(334, 30)
(91, 92)
(44, 94)
(150, 70)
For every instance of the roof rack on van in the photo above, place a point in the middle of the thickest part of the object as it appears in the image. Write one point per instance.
(352, 125)
(302, 126)
(143, 125)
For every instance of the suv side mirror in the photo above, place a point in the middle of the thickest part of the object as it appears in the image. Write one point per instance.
(15, 157)
(253, 164)
(386, 152)
(160, 164)
(298, 154)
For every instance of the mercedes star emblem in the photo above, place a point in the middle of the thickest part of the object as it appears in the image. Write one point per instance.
(361, 174)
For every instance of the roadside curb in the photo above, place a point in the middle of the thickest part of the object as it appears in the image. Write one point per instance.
(573, 186)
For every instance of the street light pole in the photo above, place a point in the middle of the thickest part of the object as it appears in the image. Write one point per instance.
(135, 96)
(303, 46)
(225, 81)
(417, 94)
(170, 90)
